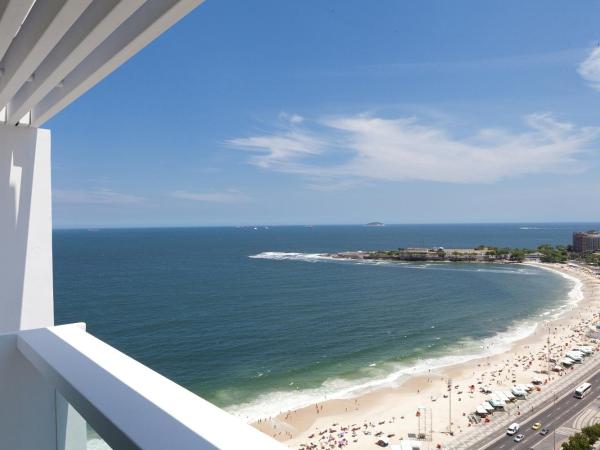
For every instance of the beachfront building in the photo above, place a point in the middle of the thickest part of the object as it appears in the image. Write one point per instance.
(535, 256)
(54, 379)
(586, 241)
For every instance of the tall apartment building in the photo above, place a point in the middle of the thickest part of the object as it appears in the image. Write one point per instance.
(586, 241)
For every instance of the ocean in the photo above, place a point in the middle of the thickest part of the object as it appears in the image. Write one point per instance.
(252, 320)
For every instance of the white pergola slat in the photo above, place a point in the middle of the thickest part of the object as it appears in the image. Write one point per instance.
(43, 28)
(96, 23)
(53, 51)
(12, 15)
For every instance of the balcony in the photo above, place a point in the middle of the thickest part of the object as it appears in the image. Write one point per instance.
(55, 378)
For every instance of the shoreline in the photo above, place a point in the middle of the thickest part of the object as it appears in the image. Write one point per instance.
(391, 411)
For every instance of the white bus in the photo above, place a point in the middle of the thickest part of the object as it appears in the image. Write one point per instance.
(582, 390)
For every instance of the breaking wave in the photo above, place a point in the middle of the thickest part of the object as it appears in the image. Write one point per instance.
(386, 375)
(442, 265)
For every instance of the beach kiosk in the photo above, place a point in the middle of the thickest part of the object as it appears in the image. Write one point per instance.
(497, 403)
(518, 392)
(509, 395)
(586, 350)
(567, 362)
(488, 407)
(481, 411)
(575, 356)
(502, 396)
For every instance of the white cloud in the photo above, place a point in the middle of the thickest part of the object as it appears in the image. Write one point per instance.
(294, 119)
(372, 148)
(229, 196)
(276, 151)
(589, 69)
(94, 197)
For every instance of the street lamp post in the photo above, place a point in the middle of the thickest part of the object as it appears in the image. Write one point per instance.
(548, 353)
(450, 406)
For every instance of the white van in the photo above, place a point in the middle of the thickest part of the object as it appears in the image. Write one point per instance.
(512, 429)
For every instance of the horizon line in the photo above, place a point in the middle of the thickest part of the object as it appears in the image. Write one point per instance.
(309, 225)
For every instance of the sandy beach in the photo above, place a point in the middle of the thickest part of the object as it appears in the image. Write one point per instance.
(421, 403)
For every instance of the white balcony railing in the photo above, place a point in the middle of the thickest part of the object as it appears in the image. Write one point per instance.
(128, 404)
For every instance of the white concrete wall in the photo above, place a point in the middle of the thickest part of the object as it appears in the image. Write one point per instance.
(26, 291)
(27, 411)
(33, 415)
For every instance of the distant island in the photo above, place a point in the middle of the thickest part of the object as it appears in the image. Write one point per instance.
(482, 253)
(375, 224)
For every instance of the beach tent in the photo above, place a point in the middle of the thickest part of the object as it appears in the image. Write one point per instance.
(481, 411)
(509, 395)
(579, 352)
(518, 392)
(496, 403)
(502, 396)
(567, 362)
(488, 406)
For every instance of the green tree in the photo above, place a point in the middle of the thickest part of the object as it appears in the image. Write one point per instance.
(584, 440)
(578, 441)
(517, 255)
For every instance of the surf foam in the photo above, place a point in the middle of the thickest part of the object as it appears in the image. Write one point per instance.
(274, 403)
(442, 265)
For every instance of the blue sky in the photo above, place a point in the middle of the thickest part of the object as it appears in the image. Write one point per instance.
(325, 111)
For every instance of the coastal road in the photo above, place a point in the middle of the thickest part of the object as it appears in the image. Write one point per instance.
(560, 418)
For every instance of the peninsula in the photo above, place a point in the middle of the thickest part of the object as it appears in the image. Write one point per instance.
(482, 253)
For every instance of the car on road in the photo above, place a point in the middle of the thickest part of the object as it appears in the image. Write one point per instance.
(544, 431)
(519, 438)
(536, 426)
(512, 429)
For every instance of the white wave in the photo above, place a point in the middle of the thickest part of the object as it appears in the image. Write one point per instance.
(442, 265)
(278, 256)
(274, 403)
(575, 295)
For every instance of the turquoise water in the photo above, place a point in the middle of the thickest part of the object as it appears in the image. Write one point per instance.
(251, 321)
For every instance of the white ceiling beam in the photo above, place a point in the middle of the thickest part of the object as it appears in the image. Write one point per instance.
(96, 23)
(148, 22)
(12, 14)
(44, 26)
